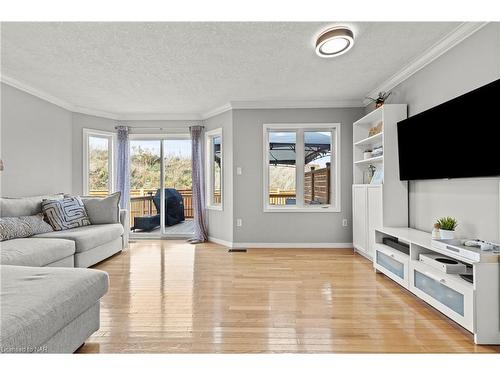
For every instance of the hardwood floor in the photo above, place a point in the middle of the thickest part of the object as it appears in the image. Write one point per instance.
(172, 297)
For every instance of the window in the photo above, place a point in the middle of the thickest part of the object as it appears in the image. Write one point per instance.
(214, 169)
(98, 154)
(301, 163)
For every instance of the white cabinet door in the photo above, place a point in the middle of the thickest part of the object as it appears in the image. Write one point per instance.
(375, 215)
(392, 263)
(359, 218)
(449, 294)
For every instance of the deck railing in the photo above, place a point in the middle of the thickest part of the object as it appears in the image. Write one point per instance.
(141, 202)
(316, 189)
(279, 197)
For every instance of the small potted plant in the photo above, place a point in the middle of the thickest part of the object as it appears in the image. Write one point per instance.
(447, 227)
(380, 99)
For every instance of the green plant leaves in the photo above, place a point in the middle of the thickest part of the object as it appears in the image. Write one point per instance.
(447, 223)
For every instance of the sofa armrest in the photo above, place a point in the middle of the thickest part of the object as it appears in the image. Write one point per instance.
(125, 224)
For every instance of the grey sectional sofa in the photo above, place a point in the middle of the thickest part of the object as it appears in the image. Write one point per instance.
(49, 310)
(46, 304)
(78, 247)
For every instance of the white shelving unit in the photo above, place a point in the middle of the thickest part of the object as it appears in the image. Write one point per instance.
(386, 203)
(376, 159)
(373, 141)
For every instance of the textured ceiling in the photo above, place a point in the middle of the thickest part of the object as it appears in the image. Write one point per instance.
(194, 67)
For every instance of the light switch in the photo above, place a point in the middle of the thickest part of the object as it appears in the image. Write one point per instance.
(239, 171)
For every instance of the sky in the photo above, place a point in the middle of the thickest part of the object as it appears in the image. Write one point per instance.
(98, 143)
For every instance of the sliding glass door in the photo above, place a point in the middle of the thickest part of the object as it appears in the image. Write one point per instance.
(145, 183)
(161, 186)
(178, 186)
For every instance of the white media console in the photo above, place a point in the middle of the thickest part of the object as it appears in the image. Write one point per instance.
(474, 305)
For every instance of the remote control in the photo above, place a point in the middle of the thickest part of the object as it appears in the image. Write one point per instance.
(478, 243)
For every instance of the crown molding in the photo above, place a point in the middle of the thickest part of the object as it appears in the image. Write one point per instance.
(54, 100)
(290, 104)
(35, 92)
(217, 111)
(159, 116)
(94, 112)
(249, 104)
(460, 33)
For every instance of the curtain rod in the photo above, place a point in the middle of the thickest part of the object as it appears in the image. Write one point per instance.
(157, 128)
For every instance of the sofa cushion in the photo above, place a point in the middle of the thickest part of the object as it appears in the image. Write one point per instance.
(23, 226)
(103, 210)
(35, 252)
(88, 237)
(65, 213)
(38, 302)
(13, 207)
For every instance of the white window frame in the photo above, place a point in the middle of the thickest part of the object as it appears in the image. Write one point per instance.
(111, 137)
(209, 136)
(300, 128)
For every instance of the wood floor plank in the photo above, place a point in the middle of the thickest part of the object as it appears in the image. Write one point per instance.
(173, 297)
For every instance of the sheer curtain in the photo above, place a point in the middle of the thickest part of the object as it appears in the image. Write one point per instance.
(200, 224)
(123, 166)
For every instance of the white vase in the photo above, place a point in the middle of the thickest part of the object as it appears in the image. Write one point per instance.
(447, 234)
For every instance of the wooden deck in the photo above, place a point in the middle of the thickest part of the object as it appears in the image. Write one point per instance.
(172, 297)
(181, 230)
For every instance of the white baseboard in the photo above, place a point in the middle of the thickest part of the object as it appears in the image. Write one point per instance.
(220, 242)
(284, 245)
(294, 245)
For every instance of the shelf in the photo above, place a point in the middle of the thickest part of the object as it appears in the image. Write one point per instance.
(374, 116)
(371, 141)
(371, 160)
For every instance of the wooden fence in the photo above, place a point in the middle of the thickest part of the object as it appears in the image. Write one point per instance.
(317, 186)
(316, 189)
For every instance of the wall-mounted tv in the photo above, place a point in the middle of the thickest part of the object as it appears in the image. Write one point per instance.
(459, 138)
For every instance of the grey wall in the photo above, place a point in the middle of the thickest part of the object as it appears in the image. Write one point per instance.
(474, 202)
(220, 223)
(279, 227)
(35, 145)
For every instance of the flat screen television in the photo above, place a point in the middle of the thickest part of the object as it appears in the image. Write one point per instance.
(459, 138)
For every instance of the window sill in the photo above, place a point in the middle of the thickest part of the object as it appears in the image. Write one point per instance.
(215, 208)
(302, 209)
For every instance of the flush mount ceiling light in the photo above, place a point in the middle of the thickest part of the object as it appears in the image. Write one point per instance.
(334, 42)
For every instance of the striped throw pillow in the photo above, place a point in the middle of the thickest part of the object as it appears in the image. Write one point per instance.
(65, 213)
(23, 226)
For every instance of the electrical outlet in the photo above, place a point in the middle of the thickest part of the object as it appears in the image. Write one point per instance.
(344, 222)
(239, 222)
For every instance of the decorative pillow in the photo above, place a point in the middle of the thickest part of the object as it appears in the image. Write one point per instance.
(27, 206)
(37, 224)
(23, 226)
(65, 213)
(103, 210)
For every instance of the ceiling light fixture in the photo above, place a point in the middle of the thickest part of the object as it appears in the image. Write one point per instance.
(334, 42)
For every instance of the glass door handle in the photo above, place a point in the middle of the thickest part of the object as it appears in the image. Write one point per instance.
(439, 280)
